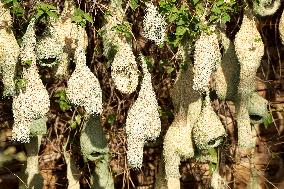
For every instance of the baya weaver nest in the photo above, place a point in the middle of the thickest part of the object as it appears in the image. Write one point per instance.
(33, 102)
(154, 25)
(9, 51)
(206, 56)
(247, 40)
(124, 69)
(143, 121)
(83, 88)
(59, 41)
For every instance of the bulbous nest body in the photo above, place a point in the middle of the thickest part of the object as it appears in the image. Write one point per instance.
(124, 69)
(154, 25)
(257, 106)
(249, 46)
(208, 131)
(33, 102)
(227, 74)
(246, 136)
(93, 142)
(178, 144)
(60, 41)
(83, 88)
(9, 51)
(206, 56)
(5, 16)
(143, 121)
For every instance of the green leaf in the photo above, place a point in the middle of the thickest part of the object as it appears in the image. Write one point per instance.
(199, 9)
(88, 17)
(212, 167)
(194, 2)
(73, 125)
(213, 153)
(26, 63)
(172, 17)
(64, 106)
(111, 119)
(226, 18)
(60, 94)
(267, 120)
(180, 30)
(170, 70)
(81, 18)
(213, 18)
(7, 1)
(44, 10)
(124, 28)
(17, 9)
(63, 102)
(40, 12)
(20, 83)
(180, 22)
(216, 9)
(78, 119)
(134, 4)
(52, 14)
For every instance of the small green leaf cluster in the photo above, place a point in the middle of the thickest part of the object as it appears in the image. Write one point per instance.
(62, 100)
(267, 120)
(44, 10)
(125, 28)
(75, 122)
(134, 4)
(213, 156)
(220, 11)
(15, 6)
(26, 63)
(180, 18)
(81, 18)
(111, 119)
(186, 19)
(20, 83)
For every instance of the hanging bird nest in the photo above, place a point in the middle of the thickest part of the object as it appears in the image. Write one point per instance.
(143, 120)
(9, 51)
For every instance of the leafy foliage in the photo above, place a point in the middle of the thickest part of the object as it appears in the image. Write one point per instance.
(111, 119)
(134, 4)
(267, 120)
(44, 10)
(220, 11)
(180, 17)
(62, 100)
(186, 19)
(15, 6)
(125, 29)
(20, 83)
(75, 122)
(26, 63)
(81, 18)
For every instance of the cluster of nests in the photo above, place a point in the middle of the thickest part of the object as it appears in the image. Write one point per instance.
(196, 125)
(234, 74)
(62, 42)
